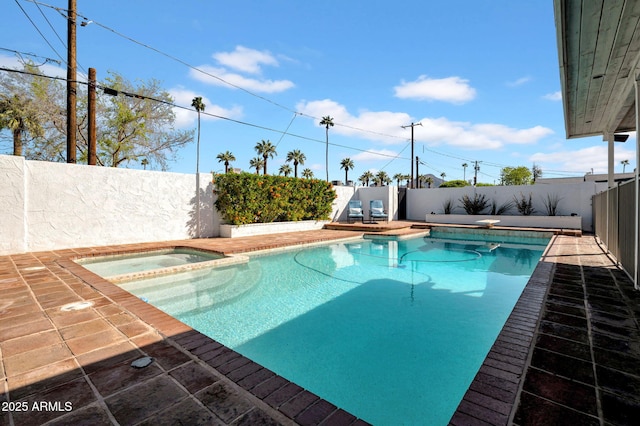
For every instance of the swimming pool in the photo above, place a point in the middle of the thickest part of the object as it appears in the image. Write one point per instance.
(392, 331)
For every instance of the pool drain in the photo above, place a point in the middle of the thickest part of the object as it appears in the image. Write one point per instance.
(142, 362)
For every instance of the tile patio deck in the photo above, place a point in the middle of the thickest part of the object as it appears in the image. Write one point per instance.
(569, 353)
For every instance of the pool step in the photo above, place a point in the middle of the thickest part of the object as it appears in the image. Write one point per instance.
(182, 293)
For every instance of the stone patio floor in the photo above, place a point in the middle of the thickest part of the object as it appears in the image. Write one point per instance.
(569, 353)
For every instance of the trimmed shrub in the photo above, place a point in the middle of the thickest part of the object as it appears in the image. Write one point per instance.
(249, 198)
(454, 184)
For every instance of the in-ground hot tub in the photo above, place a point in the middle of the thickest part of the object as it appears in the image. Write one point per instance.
(136, 265)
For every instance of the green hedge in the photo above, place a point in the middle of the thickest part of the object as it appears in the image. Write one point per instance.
(249, 198)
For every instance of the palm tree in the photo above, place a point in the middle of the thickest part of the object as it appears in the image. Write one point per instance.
(398, 177)
(144, 163)
(382, 178)
(425, 179)
(464, 167)
(226, 157)
(429, 181)
(366, 177)
(307, 173)
(267, 150)
(199, 106)
(624, 163)
(18, 116)
(346, 164)
(256, 163)
(536, 172)
(443, 175)
(285, 169)
(298, 158)
(327, 121)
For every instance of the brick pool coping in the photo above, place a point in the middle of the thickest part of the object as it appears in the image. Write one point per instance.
(504, 391)
(492, 396)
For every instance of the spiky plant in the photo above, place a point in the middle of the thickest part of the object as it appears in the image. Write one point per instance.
(475, 205)
(497, 210)
(524, 205)
(551, 204)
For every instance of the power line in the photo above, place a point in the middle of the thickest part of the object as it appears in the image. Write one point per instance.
(287, 129)
(176, 59)
(396, 157)
(39, 32)
(113, 92)
(170, 56)
(55, 32)
(32, 55)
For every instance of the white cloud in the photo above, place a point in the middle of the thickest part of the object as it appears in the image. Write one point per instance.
(246, 60)
(46, 69)
(187, 118)
(374, 155)
(386, 127)
(451, 89)
(555, 96)
(585, 159)
(444, 132)
(511, 135)
(233, 67)
(224, 77)
(519, 82)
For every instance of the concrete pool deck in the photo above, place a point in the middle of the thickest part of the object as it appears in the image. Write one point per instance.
(569, 353)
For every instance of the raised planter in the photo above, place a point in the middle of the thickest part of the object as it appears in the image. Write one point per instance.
(233, 231)
(555, 222)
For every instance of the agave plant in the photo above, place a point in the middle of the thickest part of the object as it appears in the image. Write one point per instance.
(551, 204)
(475, 205)
(448, 206)
(524, 205)
(497, 210)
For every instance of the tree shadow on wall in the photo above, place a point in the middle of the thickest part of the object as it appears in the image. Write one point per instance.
(202, 222)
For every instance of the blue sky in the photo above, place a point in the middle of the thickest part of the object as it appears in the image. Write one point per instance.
(480, 76)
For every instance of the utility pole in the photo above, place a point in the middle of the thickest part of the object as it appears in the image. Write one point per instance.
(412, 125)
(91, 106)
(476, 167)
(417, 172)
(71, 82)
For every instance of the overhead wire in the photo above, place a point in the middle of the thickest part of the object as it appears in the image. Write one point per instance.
(114, 92)
(396, 157)
(188, 65)
(287, 129)
(20, 54)
(174, 58)
(39, 32)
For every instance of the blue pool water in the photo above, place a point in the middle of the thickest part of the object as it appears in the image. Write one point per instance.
(391, 331)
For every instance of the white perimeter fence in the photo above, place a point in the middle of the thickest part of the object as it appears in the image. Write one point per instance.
(52, 206)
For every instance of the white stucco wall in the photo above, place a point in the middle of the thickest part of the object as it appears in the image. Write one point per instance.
(70, 205)
(343, 195)
(12, 205)
(388, 195)
(49, 206)
(574, 198)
